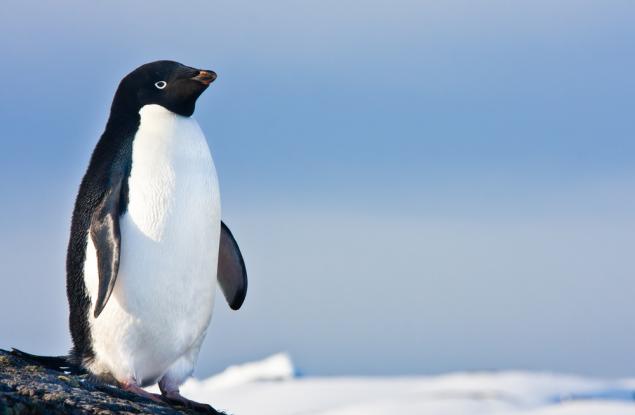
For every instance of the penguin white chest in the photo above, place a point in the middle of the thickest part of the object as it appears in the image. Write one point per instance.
(163, 298)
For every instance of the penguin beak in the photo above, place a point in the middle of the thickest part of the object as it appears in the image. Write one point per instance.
(205, 77)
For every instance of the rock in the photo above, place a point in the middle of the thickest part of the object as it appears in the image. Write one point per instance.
(26, 388)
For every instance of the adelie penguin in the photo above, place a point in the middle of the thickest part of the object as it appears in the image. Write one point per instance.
(147, 244)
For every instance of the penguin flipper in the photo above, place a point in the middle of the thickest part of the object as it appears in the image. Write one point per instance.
(232, 274)
(105, 234)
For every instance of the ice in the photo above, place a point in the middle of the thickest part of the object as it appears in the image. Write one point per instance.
(269, 387)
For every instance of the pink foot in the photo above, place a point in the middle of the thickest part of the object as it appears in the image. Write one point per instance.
(132, 387)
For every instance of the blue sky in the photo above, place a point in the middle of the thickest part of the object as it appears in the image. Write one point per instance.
(417, 186)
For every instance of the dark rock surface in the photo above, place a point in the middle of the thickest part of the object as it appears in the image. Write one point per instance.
(26, 388)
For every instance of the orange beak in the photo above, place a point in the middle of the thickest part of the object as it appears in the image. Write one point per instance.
(205, 77)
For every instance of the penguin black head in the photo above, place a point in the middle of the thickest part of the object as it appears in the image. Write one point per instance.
(167, 83)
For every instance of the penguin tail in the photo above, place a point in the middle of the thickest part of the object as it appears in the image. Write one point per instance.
(58, 363)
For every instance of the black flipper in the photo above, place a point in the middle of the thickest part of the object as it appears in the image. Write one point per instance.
(59, 363)
(232, 274)
(104, 232)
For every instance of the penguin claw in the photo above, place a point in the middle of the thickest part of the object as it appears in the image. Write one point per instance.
(175, 398)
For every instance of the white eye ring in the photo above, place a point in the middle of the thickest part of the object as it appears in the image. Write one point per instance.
(161, 84)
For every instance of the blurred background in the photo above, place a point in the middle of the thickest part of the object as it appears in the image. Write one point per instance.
(417, 186)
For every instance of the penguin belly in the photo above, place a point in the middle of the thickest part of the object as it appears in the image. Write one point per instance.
(163, 298)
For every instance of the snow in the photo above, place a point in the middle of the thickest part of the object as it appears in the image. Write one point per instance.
(269, 387)
(275, 368)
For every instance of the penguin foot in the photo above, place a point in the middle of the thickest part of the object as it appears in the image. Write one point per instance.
(175, 398)
(132, 387)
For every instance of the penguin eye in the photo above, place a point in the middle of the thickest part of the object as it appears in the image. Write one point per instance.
(161, 84)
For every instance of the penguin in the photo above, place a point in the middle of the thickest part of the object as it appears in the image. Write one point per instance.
(147, 246)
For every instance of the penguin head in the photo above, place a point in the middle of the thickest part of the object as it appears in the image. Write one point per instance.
(170, 84)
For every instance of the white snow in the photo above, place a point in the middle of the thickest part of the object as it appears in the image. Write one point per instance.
(269, 387)
(274, 368)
